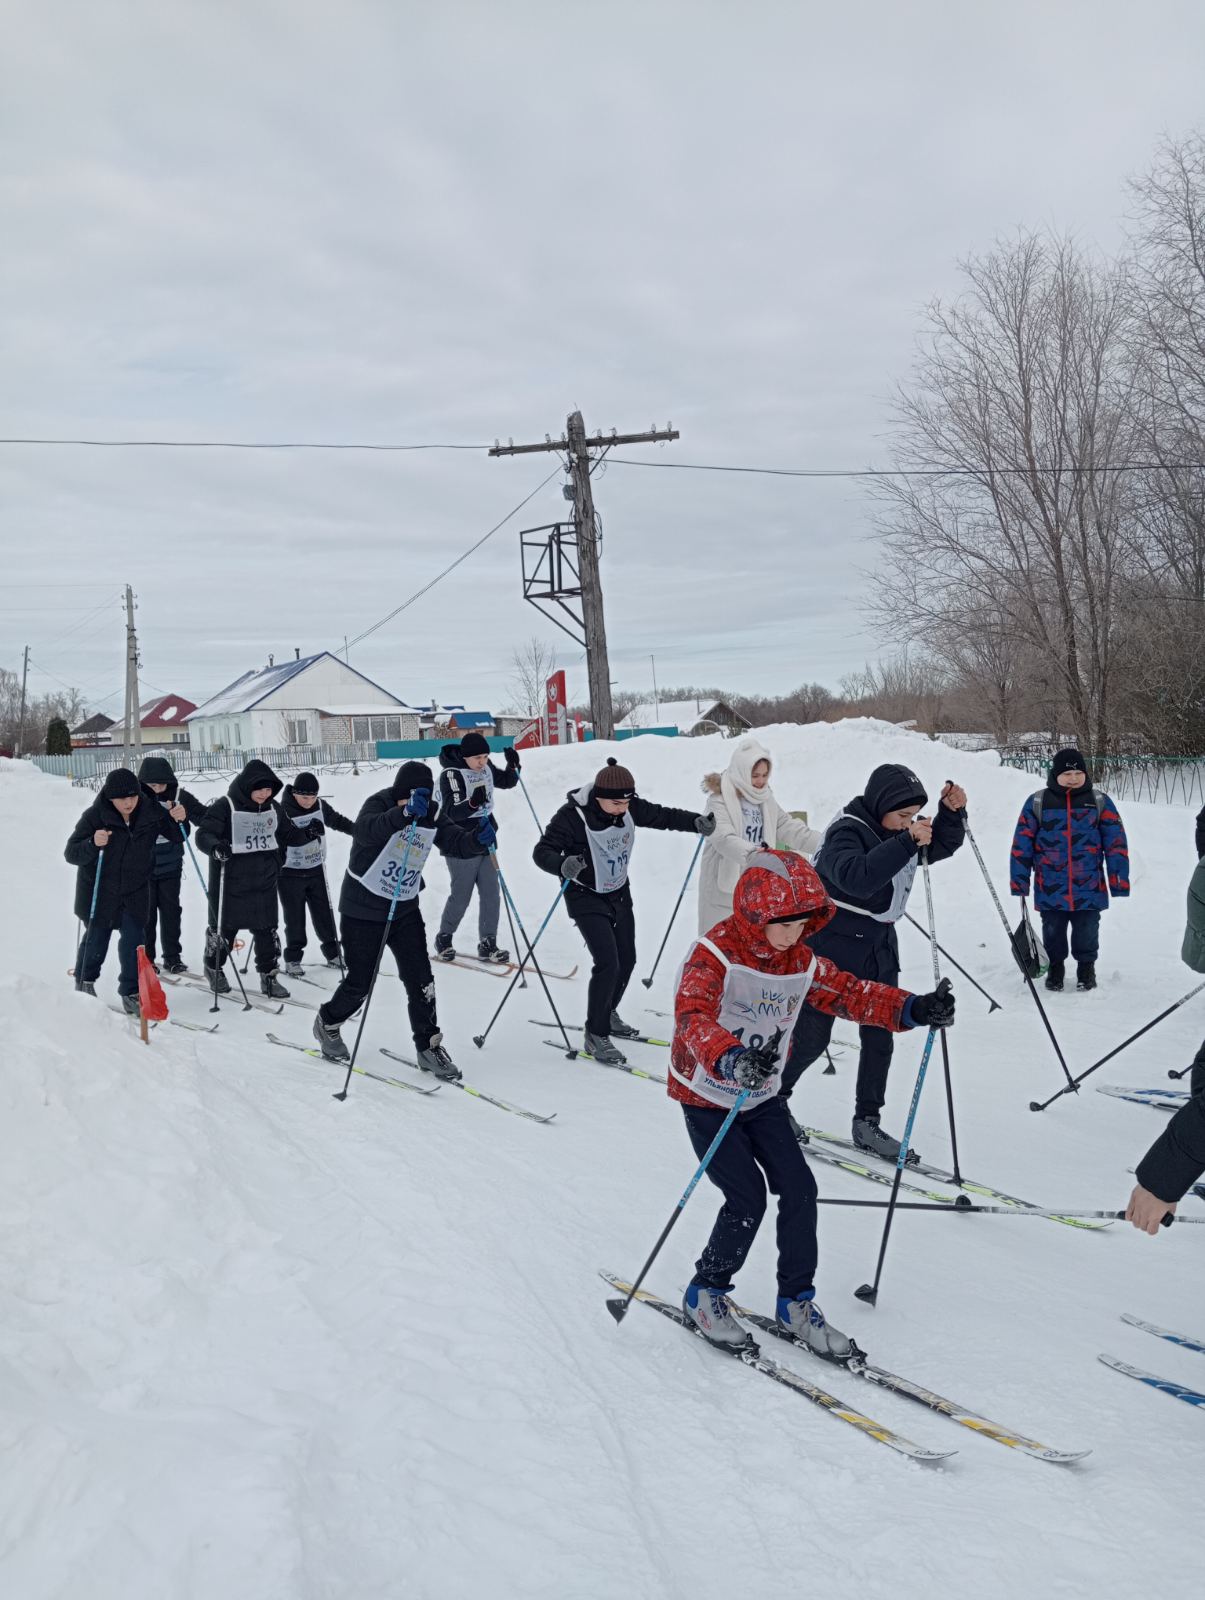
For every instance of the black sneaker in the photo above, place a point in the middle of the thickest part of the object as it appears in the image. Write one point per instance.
(1054, 977)
(330, 1040)
(1085, 975)
(621, 1029)
(88, 988)
(175, 967)
(435, 1059)
(443, 947)
(271, 985)
(487, 950)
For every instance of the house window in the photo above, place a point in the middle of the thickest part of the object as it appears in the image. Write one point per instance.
(379, 726)
(298, 732)
(359, 729)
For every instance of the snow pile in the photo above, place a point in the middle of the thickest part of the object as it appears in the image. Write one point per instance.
(254, 1342)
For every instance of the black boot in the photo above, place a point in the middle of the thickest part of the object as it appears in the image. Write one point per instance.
(1085, 974)
(1054, 977)
(487, 950)
(130, 1005)
(271, 985)
(443, 947)
(330, 1040)
(223, 980)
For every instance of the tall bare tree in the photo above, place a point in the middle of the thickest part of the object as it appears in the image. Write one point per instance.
(532, 664)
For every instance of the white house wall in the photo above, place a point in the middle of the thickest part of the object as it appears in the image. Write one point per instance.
(329, 682)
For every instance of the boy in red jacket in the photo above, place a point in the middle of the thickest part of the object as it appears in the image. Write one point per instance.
(746, 979)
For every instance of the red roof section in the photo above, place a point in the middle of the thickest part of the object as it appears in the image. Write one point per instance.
(168, 711)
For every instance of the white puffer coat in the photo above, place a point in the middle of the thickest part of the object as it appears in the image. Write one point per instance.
(735, 839)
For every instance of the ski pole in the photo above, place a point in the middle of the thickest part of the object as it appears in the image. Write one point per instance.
(648, 982)
(1035, 1105)
(963, 1206)
(397, 889)
(945, 1048)
(514, 942)
(330, 906)
(993, 1005)
(480, 1038)
(570, 1050)
(870, 1292)
(618, 1308)
(218, 961)
(86, 947)
(1037, 999)
(531, 808)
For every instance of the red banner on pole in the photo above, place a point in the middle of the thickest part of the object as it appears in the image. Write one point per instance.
(554, 691)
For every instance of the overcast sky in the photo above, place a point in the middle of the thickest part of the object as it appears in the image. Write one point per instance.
(410, 223)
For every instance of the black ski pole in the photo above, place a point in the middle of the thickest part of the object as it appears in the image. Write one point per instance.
(218, 941)
(397, 889)
(962, 1206)
(993, 1005)
(1037, 999)
(1035, 1105)
(945, 1047)
(85, 948)
(830, 1071)
(870, 1292)
(569, 1048)
(648, 982)
(480, 1038)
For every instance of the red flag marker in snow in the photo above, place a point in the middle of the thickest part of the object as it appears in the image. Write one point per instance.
(150, 991)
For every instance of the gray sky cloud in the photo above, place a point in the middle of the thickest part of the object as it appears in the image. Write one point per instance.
(396, 222)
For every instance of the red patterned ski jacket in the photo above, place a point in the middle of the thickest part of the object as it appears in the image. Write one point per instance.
(777, 884)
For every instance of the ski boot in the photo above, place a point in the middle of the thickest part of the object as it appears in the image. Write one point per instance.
(270, 985)
(603, 1050)
(804, 1321)
(487, 950)
(435, 1059)
(130, 1005)
(443, 947)
(868, 1136)
(88, 988)
(174, 967)
(223, 980)
(710, 1311)
(1054, 977)
(294, 969)
(622, 1029)
(330, 1040)
(1085, 974)
(798, 1130)
(330, 954)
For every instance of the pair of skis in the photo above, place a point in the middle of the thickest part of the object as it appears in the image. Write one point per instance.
(499, 969)
(750, 1355)
(1178, 1391)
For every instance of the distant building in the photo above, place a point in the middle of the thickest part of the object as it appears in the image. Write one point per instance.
(97, 730)
(690, 717)
(312, 700)
(163, 720)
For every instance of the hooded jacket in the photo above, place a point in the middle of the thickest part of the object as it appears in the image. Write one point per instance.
(565, 836)
(746, 820)
(456, 785)
(129, 858)
(251, 877)
(1073, 843)
(380, 818)
(775, 885)
(169, 852)
(324, 816)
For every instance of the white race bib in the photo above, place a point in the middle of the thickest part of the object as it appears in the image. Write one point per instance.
(385, 874)
(252, 832)
(611, 852)
(301, 857)
(901, 884)
(753, 1004)
(753, 823)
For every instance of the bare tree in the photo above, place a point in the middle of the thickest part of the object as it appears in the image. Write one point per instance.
(532, 664)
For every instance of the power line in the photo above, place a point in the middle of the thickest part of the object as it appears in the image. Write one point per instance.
(908, 472)
(231, 444)
(427, 587)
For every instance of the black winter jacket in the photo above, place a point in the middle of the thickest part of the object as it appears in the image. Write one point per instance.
(129, 859)
(456, 787)
(169, 852)
(859, 858)
(1177, 1158)
(565, 835)
(327, 817)
(381, 817)
(251, 877)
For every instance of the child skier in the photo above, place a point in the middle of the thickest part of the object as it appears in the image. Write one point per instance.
(394, 834)
(303, 874)
(245, 834)
(867, 863)
(589, 843)
(467, 781)
(747, 817)
(160, 784)
(1070, 837)
(115, 839)
(741, 989)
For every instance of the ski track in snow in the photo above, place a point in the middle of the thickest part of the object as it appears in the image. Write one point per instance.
(257, 1343)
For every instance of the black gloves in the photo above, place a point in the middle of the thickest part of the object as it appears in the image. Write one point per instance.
(934, 1010)
(705, 825)
(479, 798)
(572, 867)
(754, 1066)
(221, 853)
(511, 756)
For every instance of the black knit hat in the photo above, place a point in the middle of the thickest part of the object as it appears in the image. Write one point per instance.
(1068, 760)
(474, 744)
(614, 782)
(305, 783)
(893, 788)
(121, 784)
(411, 775)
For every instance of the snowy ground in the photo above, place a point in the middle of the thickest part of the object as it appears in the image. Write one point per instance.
(261, 1345)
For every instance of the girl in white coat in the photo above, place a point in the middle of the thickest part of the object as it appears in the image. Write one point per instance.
(747, 819)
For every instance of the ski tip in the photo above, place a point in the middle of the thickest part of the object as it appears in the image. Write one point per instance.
(867, 1293)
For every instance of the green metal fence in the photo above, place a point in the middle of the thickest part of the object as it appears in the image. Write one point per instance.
(1162, 780)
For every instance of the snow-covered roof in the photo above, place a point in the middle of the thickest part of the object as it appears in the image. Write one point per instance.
(685, 715)
(245, 693)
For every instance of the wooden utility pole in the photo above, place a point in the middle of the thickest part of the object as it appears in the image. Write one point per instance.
(21, 718)
(132, 731)
(577, 448)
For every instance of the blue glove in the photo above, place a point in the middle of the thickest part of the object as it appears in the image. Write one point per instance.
(418, 804)
(487, 835)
